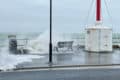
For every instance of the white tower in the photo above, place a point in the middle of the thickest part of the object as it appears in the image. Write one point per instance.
(98, 38)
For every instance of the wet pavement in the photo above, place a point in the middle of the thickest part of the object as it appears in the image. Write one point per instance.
(75, 58)
(75, 74)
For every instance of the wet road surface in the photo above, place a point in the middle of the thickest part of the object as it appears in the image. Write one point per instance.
(77, 58)
(89, 74)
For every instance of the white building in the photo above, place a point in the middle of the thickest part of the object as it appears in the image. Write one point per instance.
(98, 38)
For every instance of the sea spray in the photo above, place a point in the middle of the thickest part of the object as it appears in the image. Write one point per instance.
(9, 61)
(41, 43)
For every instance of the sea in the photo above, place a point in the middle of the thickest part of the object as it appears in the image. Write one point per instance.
(36, 43)
(79, 38)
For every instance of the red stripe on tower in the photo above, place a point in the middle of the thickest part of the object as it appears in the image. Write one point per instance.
(98, 10)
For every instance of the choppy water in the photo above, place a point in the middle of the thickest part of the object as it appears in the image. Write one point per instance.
(9, 61)
(37, 42)
(77, 37)
(40, 41)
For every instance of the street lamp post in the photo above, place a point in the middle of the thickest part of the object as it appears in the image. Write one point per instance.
(50, 42)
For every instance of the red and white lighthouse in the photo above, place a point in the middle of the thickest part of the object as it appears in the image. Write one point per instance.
(98, 38)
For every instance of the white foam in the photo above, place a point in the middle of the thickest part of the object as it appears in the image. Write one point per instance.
(41, 43)
(9, 61)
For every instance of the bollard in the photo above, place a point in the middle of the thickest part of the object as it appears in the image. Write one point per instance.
(12, 44)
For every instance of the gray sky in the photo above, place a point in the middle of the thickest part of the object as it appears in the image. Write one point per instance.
(69, 15)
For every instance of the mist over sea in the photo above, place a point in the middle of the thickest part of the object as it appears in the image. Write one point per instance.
(76, 37)
(37, 43)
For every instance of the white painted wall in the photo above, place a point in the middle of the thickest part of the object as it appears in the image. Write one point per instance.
(98, 39)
